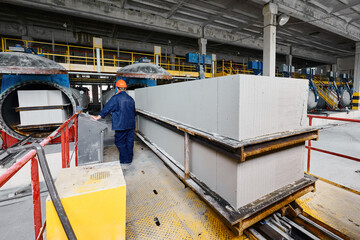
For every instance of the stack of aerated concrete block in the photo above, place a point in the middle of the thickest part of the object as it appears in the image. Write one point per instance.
(240, 107)
(41, 98)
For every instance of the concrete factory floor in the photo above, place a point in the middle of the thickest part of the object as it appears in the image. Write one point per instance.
(343, 139)
(159, 206)
(334, 206)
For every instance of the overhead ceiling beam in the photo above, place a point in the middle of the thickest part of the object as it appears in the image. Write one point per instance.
(227, 9)
(317, 17)
(143, 20)
(345, 6)
(123, 4)
(175, 8)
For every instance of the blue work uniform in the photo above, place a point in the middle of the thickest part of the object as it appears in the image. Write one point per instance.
(122, 107)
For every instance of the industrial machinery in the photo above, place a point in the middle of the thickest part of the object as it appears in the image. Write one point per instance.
(346, 92)
(35, 96)
(286, 70)
(138, 75)
(142, 74)
(256, 67)
(200, 61)
(329, 92)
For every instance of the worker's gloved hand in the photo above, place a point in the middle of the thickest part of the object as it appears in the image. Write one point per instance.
(96, 117)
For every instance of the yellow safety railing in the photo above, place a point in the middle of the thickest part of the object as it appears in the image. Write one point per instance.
(230, 67)
(73, 56)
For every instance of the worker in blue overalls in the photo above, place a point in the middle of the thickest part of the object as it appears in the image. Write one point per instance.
(122, 107)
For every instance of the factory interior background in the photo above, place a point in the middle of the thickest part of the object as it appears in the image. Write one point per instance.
(247, 120)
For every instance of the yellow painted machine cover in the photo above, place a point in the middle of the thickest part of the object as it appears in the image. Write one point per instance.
(94, 198)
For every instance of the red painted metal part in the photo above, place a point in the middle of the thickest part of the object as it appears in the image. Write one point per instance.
(67, 149)
(36, 196)
(334, 118)
(63, 157)
(325, 151)
(17, 166)
(333, 153)
(76, 139)
(39, 228)
(39, 237)
(8, 140)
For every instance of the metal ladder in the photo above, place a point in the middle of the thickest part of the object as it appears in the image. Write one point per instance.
(328, 95)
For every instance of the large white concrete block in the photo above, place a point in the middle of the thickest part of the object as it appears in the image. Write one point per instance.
(39, 117)
(32, 98)
(240, 107)
(41, 98)
(237, 106)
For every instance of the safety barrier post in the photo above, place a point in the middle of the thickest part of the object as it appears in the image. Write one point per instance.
(68, 54)
(2, 44)
(309, 148)
(102, 56)
(67, 150)
(93, 57)
(76, 140)
(63, 160)
(36, 197)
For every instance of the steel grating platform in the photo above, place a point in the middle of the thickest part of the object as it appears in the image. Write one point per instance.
(160, 207)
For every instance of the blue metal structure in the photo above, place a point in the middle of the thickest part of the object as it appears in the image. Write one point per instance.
(12, 80)
(256, 67)
(200, 60)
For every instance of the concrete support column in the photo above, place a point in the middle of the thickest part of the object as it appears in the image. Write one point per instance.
(95, 94)
(202, 45)
(289, 58)
(98, 63)
(357, 68)
(334, 67)
(269, 49)
(118, 52)
(53, 45)
(213, 65)
(28, 38)
(173, 62)
(157, 53)
(356, 88)
(202, 49)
